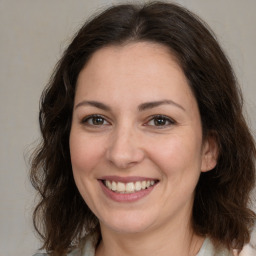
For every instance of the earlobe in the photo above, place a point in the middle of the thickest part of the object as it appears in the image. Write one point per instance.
(210, 153)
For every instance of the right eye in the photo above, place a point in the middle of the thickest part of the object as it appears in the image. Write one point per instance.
(95, 120)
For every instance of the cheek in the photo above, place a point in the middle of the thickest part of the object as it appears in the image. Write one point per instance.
(85, 151)
(84, 158)
(177, 154)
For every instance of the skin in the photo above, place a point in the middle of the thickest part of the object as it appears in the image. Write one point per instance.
(127, 142)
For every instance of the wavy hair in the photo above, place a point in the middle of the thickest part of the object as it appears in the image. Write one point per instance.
(220, 210)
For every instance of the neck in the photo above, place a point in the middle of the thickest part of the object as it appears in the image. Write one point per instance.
(176, 240)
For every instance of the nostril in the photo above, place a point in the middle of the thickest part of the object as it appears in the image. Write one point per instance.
(125, 157)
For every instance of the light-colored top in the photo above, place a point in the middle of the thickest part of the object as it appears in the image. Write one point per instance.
(207, 249)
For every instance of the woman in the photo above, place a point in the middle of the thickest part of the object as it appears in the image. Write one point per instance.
(145, 149)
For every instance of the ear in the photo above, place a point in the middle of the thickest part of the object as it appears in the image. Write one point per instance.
(210, 152)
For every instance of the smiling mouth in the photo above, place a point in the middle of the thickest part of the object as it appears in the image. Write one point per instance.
(129, 187)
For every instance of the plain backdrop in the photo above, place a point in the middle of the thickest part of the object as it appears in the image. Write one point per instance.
(33, 35)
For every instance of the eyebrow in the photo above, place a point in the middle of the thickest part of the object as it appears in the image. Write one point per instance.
(94, 104)
(141, 107)
(153, 104)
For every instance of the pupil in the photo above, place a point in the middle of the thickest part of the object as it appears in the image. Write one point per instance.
(97, 121)
(160, 121)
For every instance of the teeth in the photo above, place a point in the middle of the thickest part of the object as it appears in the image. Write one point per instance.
(129, 187)
(108, 183)
(120, 187)
(113, 186)
(138, 185)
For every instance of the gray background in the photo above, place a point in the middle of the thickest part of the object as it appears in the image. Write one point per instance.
(34, 33)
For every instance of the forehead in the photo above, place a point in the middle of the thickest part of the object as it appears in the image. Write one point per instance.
(143, 69)
(134, 53)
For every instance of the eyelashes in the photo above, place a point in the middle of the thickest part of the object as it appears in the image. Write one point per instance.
(95, 120)
(158, 121)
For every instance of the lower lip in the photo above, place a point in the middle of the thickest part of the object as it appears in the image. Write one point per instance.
(126, 197)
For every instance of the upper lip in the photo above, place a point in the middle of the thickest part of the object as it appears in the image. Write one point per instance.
(126, 179)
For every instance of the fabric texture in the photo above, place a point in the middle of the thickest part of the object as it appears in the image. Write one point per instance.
(207, 249)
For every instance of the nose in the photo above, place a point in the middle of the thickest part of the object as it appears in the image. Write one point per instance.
(125, 148)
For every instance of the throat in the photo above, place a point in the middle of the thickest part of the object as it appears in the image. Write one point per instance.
(141, 244)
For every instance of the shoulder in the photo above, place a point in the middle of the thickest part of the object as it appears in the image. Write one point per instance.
(208, 249)
(250, 248)
(87, 249)
(76, 252)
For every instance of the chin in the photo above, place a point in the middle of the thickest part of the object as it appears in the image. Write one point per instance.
(128, 225)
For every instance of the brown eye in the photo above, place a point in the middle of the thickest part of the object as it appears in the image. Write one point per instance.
(95, 120)
(160, 121)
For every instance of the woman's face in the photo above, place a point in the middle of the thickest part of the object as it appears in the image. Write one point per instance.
(136, 138)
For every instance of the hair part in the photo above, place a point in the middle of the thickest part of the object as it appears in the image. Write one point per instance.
(220, 210)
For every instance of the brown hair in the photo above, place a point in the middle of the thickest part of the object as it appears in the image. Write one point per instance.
(222, 195)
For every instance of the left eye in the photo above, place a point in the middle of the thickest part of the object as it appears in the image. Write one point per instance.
(95, 120)
(160, 121)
